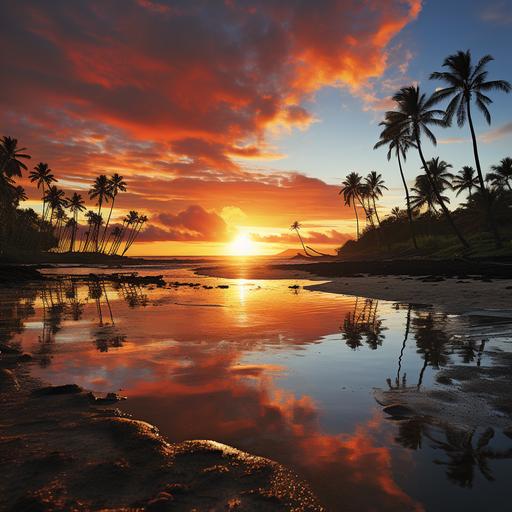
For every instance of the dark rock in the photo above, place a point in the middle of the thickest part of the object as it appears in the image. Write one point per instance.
(25, 358)
(65, 389)
(223, 286)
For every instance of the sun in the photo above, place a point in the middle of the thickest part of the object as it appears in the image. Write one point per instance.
(242, 245)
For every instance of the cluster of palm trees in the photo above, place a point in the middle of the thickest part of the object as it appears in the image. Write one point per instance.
(405, 128)
(364, 191)
(59, 218)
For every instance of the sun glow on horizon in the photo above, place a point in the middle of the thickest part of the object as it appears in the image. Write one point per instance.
(242, 245)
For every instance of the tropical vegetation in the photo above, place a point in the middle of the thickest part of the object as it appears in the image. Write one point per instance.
(61, 226)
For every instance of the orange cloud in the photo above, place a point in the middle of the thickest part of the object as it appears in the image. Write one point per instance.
(171, 93)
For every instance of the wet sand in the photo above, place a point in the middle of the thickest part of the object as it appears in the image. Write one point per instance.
(69, 450)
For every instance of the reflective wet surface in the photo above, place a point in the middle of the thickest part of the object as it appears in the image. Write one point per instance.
(279, 371)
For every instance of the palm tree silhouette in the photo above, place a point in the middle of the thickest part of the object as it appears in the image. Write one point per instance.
(375, 185)
(465, 179)
(100, 192)
(138, 221)
(467, 82)
(351, 189)
(42, 175)
(396, 213)
(296, 227)
(399, 144)
(423, 195)
(501, 174)
(76, 204)
(116, 184)
(413, 119)
(10, 157)
(55, 199)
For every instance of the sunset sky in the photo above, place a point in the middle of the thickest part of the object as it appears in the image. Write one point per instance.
(232, 119)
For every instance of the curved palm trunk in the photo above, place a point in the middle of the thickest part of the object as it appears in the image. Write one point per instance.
(439, 198)
(302, 242)
(135, 233)
(490, 216)
(357, 218)
(408, 199)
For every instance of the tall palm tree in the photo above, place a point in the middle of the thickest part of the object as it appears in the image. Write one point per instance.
(413, 119)
(501, 174)
(399, 144)
(465, 179)
(100, 192)
(296, 227)
(76, 204)
(351, 188)
(42, 175)
(116, 184)
(467, 82)
(10, 157)
(55, 199)
(376, 186)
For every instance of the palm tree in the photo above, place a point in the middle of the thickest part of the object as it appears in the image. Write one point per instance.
(140, 220)
(376, 186)
(42, 175)
(351, 188)
(413, 119)
(296, 227)
(10, 155)
(468, 82)
(76, 205)
(438, 169)
(423, 195)
(502, 174)
(18, 195)
(55, 199)
(99, 191)
(464, 180)
(399, 144)
(116, 184)
(396, 213)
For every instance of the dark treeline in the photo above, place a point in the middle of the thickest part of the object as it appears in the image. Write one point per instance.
(481, 223)
(57, 228)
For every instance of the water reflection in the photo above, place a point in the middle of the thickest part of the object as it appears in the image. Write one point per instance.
(260, 366)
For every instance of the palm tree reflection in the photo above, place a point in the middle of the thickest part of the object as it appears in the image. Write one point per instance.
(363, 324)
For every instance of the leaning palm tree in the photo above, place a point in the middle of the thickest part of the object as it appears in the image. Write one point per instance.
(42, 175)
(296, 226)
(100, 192)
(351, 188)
(467, 82)
(501, 174)
(465, 179)
(413, 119)
(76, 204)
(139, 222)
(399, 145)
(10, 157)
(375, 185)
(116, 184)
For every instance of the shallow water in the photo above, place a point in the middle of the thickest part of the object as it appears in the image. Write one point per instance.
(280, 372)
